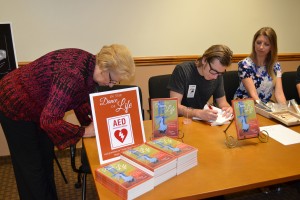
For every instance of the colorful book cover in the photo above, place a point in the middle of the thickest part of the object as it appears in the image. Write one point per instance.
(148, 157)
(172, 146)
(124, 179)
(118, 122)
(164, 117)
(245, 118)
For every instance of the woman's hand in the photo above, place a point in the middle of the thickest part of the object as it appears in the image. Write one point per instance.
(89, 130)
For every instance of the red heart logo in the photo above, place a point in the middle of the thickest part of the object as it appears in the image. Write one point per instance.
(121, 135)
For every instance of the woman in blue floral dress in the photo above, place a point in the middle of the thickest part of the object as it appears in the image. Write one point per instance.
(260, 73)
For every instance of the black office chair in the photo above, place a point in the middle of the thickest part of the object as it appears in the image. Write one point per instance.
(157, 86)
(289, 86)
(84, 169)
(231, 83)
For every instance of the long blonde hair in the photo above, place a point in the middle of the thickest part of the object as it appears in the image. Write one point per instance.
(117, 58)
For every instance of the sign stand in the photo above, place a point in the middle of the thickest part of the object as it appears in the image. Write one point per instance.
(232, 142)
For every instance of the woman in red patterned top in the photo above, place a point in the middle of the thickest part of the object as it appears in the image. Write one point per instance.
(34, 100)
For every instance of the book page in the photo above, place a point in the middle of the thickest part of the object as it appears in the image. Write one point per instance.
(220, 120)
(282, 134)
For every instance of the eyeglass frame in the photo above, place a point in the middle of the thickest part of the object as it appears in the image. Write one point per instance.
(111, 81)
(215, 72)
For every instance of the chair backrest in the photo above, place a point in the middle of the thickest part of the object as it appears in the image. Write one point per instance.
(289, 85)
(231, 83)
(116, 87)
(157, 86)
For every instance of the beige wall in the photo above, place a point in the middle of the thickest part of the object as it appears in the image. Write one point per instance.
(148, 28)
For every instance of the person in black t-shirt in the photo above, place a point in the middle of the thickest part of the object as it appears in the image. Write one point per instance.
(193, 83)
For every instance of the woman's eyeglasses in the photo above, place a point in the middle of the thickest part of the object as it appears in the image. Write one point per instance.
(111, 81)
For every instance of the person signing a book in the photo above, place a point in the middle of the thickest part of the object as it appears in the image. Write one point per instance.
(260, 73)
(34, 100)
(193, 83)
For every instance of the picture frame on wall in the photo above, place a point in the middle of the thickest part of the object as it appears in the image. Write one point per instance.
(8, 60)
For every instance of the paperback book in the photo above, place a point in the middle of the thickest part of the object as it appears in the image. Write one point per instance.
(155, 162)
(124, 179)
(186, 155)
(246, 122)
(164, 117)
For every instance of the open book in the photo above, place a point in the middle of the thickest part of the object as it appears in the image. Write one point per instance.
(220, 120)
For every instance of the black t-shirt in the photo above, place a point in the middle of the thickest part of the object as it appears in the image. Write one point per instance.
(196, 90)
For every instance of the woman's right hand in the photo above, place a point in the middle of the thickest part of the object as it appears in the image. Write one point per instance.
(89, 130)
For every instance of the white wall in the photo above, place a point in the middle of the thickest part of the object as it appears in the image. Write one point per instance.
(148, 27)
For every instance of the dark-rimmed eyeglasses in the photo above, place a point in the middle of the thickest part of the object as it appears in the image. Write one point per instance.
(111, 81)
(213, 71)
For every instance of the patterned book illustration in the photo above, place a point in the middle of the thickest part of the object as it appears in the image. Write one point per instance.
(164, 117)
(245, 118)
(172, 146)
(150, 158)
(124, 179)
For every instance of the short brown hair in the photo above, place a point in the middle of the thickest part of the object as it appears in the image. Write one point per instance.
(219, 52)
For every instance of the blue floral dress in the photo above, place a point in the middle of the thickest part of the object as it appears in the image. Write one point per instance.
(262, 80)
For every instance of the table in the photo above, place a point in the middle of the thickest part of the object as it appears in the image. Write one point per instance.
(220, 170)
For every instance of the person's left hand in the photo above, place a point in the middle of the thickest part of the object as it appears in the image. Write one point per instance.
(227, 112)
(89, 130)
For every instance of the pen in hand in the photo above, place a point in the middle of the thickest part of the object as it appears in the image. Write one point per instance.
(211, 114)
(209, 106)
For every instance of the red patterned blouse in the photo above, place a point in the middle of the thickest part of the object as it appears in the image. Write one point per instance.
(46, 88)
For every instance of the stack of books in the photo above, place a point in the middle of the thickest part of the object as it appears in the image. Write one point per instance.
(141, 168)
(124, 179)
(186, 155)
(157, 163)
(129, 167)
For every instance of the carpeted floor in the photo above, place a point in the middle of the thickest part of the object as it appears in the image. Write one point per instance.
(8, 190)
